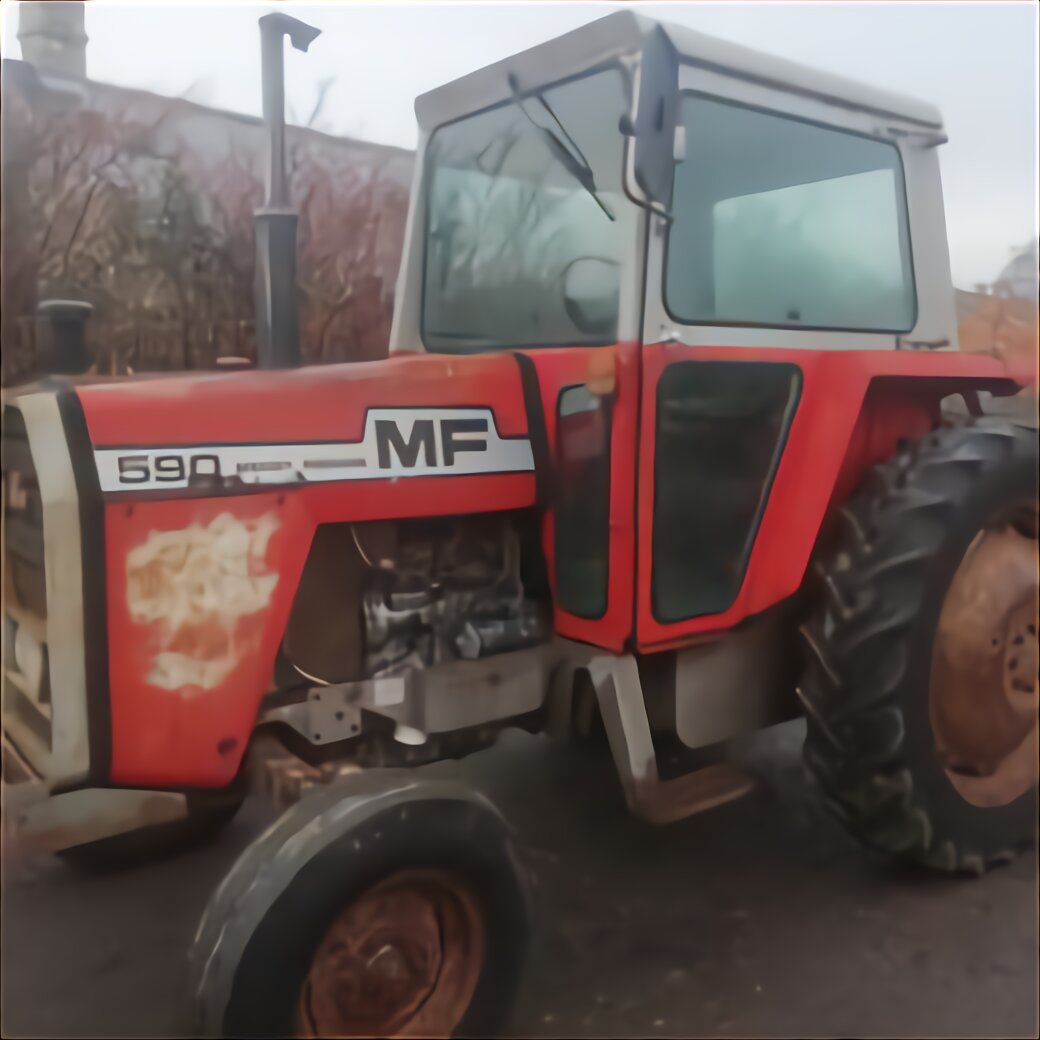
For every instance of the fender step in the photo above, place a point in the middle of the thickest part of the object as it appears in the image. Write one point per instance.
(665, 801)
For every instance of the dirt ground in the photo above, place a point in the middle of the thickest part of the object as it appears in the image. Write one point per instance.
(760, 918)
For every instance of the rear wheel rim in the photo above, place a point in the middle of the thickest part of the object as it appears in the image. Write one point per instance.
(402, 960)
(983, 689)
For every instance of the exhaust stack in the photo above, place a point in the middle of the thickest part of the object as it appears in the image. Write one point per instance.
(277, 328)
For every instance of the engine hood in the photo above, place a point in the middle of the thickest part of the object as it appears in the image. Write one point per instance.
(304, 405)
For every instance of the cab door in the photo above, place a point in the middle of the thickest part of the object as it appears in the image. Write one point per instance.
(714, 427)
(785, 261)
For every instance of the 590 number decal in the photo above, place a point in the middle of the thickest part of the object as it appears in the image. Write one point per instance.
(167, 469)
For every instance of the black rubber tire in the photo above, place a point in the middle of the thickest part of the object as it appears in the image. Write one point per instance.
(869, 741)
(206, 818)
(452, 835)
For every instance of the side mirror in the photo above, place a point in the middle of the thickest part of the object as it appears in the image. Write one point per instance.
(656, 118)
(591, 289)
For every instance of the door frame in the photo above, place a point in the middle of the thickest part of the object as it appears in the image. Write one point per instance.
(835, 368)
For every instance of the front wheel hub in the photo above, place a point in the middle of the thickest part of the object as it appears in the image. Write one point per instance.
(402, 960)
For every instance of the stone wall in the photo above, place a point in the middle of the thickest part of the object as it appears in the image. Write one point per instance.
(142, 205)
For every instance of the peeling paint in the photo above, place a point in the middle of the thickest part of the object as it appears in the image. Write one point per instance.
(194, 585)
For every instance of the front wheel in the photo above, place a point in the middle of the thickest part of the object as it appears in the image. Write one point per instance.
(921, 687)
(398, 912)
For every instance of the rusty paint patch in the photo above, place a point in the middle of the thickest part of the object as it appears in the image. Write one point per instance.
(194, 585)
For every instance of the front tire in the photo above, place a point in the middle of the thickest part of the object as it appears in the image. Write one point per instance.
(411, 921)
(920, 689)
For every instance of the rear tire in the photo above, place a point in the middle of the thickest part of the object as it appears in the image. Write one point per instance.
(871, 741)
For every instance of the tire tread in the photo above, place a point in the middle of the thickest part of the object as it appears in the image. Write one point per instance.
(871, 586)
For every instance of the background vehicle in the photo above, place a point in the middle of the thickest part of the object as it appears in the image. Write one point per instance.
(673, 335)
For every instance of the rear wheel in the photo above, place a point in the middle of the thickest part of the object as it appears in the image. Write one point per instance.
(921, 687)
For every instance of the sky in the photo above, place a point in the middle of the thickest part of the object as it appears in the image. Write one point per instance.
(976, 61)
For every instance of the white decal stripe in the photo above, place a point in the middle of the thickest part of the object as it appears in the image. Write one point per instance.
(443, 444)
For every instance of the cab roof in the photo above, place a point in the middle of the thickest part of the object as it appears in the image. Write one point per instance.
(622, 33)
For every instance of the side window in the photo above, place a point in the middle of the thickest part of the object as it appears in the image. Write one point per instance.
(519, 251)
(780, 222)
(721, 426)
(581, 510)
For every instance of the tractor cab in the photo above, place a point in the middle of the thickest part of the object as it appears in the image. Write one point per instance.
(699, 254)
(631, 180)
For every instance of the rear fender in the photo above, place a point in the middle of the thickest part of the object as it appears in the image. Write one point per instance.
(891, 411)
(852, 409)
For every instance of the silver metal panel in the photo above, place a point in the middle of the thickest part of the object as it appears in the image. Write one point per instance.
(471, 693)
(69, 754)
(581, 49)
(770, 71)
(408, 293)
(619, 694)
(732, 686)
(92, 814)
(936, 310)
(622, 32)
(440, 699)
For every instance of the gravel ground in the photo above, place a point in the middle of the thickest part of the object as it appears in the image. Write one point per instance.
(760, 918)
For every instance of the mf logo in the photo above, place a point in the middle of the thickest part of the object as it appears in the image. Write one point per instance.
(398, 443)
(420, 445)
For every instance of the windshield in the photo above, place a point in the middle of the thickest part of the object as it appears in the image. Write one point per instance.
(523, 243)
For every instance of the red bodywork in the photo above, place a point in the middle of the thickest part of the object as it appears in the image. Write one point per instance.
(854, 405)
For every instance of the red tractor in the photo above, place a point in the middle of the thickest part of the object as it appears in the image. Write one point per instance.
(662, 446)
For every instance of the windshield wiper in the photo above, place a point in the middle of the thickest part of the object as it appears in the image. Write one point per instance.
(576, 165)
